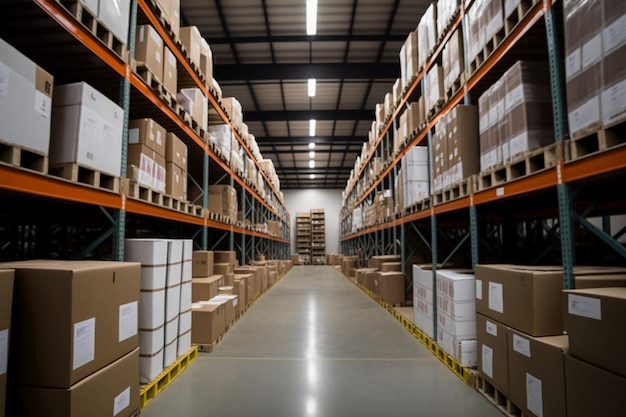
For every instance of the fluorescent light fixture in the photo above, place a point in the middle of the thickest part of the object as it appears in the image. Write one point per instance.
(311, 154)
(312, 163)
(311, 17)
(312, 176)
(312, 145)
(312, 127)
(312, 84)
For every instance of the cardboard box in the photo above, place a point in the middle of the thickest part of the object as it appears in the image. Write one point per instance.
(149, 133)
(192, 40)
(223, 268)
(196, 104)
(464, 351)
(427, 33)
(170, 71)
(170, 352)
(362, 275)
(525, 298)
(172, 310)
(6, 301)
(87, 129)
(75, 291)
(151, 342)
(206, 60)
(591, 391)
(149, 50)
(174, 16)
(493, 354)
(537, 373)
(613, 102)
(240, 288)
(595, 326)
(184, 341)
(110, 391)
(229, 307)
(203, 289)
(146, 167)
(27, 95)
(185, 297)
(176, 151)
(202, 263)
(115, 15)
(175, 182)
(391, 266)
(187, 260)
(150, 366)
(377, 261)
(391, 287)
(152, 308)
(208, 323)
(174, 262)
(463, 143)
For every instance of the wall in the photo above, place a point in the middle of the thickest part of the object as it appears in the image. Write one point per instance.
(305, 200)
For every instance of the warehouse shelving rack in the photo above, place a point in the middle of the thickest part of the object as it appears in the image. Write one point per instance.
(536, 218)
(45, 208)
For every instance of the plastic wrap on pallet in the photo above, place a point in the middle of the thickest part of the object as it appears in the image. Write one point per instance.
(510, 6)
(416, 178)
(493, 19)
(380, 112)
(439, 155)
(115, 15)
(427, 34)
(388, 104)
(452, 60)
(206, 59)
(434, 88)
(216, 86)
(149, 50)
(445, 11)
(195, 102)
(476, 33)
(613, 93)
(192, 41)
(397, 91)
(490, 152)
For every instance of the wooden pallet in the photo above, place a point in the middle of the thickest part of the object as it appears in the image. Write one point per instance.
(497, 398)
(448, 25)
(148, 77)
(175, 203)
(147, 194)
(595, 142)
(18, 157)
(453, 192)
(418, 207)
(484, 54)
(436, 109)
(85, 175)
(517, 15)
(91, 23)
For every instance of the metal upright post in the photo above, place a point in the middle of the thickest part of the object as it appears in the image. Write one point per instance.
(205, 198)
(231, 237)
(243, 217)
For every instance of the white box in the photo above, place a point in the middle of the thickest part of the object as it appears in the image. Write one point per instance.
(195, 102)
(184, 322)
(187, 260)
(25, 95)
(456, 284)
(115, 14)
(464, 351)
(151, 341)
(86, 129)
(174, 262)
(458, 329)
(150, 367)
(91, 5)
(457, 310)
(184, 343)
(170, 353)
(172, 302)
(151, 309)
(171, 330)
(185, 296)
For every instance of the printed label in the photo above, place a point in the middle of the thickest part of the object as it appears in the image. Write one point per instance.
(534, 397)
(491, 328)
(496, 302)
(128, 321)
(156, 37)
(573, 64)
(43, 104)
(592, 52)
(172, 58)
(585, 115)
(84, 342)
(499, 191)
(159, 139)
(5, 75)
(521, 345)
(133, 135)
(141, 35)
(121, 401)
(514, 97)
(614, 35)
(584, 306)
(487, 361)
(479, 289)
(4, 350)
(614, 102)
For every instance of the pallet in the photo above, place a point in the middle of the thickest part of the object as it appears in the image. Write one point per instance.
(497, 398)
(18, 157)
(490, 46)
(151, 80)
(90, 22)
(147, 194)
(453, 192)
(448, 25)
(517, 15)
(87, 176)
(422, 205)
(596, 142)
(523, 165)
(435, 109)
(175, 204)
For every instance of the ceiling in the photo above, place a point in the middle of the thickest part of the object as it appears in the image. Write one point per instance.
(263, 57)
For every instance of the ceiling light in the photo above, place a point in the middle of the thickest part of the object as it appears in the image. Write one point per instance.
(312, 163)
(312, 176)
(311, 17)
(312, 83)
(312, 145)
(312, 127)
(311, 154)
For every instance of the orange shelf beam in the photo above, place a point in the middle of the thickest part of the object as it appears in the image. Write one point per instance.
(602, 163)
(454, 205)
(539, 181)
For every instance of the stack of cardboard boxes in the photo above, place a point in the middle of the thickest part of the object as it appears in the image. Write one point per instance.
(485, 19)
(176, 162)
(146, 154)
(223, 200)
(318, 237)
(384, 278)
(452, 60)
(303, 236)
(427, 34)
(415, 185)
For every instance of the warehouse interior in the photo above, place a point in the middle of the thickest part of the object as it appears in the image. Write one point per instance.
(314, 208)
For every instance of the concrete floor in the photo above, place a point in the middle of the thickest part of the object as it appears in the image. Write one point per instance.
(315, 345)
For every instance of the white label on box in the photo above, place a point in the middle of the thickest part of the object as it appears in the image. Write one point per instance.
(159, 140)
(172, 58)
(479, 289)
(518, 144)
(146, 168)
(614, 35)
(588, 307)
(573, 64)
(84, 342)
(499, 191)
(4, 350)
(128, 321)
(43, 104)
(491, 328)
(592, 52)
(585, 115)
(487, 361)
(614, 103)
(157, 55)
(514, 98)
(141, 30)
(5, 74)
(121, 401)
(155, 37)
(496, 302)
(534, 397)
(521, 345)
(133, 135)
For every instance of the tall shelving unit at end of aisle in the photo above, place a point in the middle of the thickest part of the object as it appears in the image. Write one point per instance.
(318, 237)
(87, 213)
(303, 237)
(522, 210)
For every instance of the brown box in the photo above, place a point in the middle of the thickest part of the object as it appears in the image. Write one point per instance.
(271, 279)
(208, 323)
(377, 261)
(176, 182)
(223, 268)
(226, 257)
(434, 87)
(203, 289)
(147, 132)
(253, 282)
(94, 323)
(176, 151)
(613, 103)
(391, 287)
(463, 143)
(202, 263)
(537, 373)
(192, 40)
(362, 274)
(6, 300)
(149, 50)
(595, 324)
(241, 285)
(229, 279)
(592, 391)
(146, 167)
(110, 391)
(391, 266)
(492, 352)
(170, 71)
(523, 297)
(174, 16)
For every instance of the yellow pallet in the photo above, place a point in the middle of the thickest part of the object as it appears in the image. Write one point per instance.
(149, 391)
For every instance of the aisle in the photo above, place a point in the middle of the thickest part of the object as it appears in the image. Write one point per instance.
(315, 345)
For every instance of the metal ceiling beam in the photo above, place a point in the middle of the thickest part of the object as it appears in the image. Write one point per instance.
(321, 170)
(305, 140)
(294, 151)
(253, 72)
(304, 38)
(299, 115)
